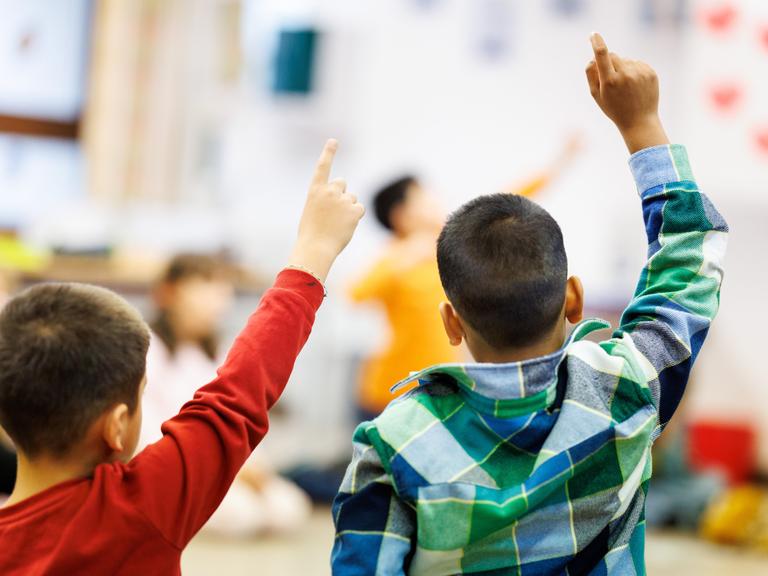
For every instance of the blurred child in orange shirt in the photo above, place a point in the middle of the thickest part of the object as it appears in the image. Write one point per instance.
(405, 281)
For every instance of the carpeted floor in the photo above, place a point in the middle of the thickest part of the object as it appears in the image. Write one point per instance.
(307, 553)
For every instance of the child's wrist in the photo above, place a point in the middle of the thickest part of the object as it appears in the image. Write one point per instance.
(300, 268)
(645, 133)
(312, 258)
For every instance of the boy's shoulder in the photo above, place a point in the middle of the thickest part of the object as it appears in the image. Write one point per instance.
(602, 369)
(411, 413)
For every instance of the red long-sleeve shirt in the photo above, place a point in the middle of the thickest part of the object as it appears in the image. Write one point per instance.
(136, 518)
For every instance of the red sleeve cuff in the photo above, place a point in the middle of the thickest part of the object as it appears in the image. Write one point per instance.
(306, 284)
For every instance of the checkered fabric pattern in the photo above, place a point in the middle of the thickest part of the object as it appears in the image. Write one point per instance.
(542, 466)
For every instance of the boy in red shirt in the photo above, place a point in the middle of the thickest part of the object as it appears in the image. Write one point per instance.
(72, 362)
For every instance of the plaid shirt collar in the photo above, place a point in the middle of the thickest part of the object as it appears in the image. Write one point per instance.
(511, 389)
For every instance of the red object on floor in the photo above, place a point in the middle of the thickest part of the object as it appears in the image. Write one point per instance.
(728, 447)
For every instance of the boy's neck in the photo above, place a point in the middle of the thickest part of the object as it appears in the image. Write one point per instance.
(33, 477)
(486, 354)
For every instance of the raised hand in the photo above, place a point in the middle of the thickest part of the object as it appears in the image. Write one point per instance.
(627, 91)
(329, 219)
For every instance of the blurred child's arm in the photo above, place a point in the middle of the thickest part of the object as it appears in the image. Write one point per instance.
(679, 290)
(179, 481)
(535, 185)
(375, 529)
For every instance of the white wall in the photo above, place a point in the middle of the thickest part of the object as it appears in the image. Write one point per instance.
(405, 88)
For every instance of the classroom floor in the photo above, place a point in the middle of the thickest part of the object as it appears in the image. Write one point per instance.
(306, 554)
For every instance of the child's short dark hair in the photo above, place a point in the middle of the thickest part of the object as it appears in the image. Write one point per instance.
(391, 196)
(68, 352)
(503, 267)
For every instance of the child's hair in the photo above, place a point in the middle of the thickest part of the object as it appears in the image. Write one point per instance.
(185, 267)
(68, 352)
(391, 196)
(503, 267)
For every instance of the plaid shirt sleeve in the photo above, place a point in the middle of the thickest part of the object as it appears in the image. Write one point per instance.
(375, 529)
(678, 294)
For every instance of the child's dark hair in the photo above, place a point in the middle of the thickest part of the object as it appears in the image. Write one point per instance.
(68, 352)
(503, 267)
(184, 267)
(390, 197)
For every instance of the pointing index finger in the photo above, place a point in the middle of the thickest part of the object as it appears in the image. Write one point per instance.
(602, 57)
(325, 163)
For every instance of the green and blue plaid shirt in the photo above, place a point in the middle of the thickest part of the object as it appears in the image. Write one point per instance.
(542, 466)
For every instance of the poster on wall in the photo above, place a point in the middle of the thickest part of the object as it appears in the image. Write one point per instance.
(724, 94)
(737, 31)
(295, 61)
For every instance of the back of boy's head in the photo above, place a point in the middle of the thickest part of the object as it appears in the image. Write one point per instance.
(390, 197)
(68, 352)
(504, 269)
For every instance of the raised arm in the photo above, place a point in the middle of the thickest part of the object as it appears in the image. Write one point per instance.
(678, 293)
(179, 481)
(533, 186)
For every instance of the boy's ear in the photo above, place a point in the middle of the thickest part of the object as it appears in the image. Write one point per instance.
(116, 427)
(452, 324)
(574, 300)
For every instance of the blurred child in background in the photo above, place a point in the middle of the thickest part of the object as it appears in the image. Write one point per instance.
(405, 281)
(191, 298)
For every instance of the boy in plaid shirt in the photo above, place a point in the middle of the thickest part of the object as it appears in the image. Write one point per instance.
(536, 459)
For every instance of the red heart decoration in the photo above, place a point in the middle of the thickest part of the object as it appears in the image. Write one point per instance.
(764, 35)
(725, 97)
(761, 139)
(720, 18)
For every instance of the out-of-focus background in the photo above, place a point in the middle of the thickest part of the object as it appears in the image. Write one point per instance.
(133, 130)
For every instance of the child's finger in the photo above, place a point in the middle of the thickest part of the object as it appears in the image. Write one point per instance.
(619, 64)
(602, 57)
(325, 163)
(338, 184)
(593, 77)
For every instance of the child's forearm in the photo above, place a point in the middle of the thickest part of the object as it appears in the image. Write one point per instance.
(645, 134)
